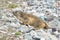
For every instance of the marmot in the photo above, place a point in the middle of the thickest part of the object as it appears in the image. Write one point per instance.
(30, 19)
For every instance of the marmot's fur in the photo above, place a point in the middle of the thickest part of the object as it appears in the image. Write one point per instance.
(30, 19)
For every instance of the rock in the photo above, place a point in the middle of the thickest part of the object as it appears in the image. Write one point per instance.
(36, 38)
(53, 29)
(28, 36)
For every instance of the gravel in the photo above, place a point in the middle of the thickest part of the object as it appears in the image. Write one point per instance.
(43, 9)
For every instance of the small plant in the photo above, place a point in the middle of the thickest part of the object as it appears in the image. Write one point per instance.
(18, 33)
(12, 5)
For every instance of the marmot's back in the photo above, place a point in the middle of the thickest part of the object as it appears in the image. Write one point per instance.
(30, 19)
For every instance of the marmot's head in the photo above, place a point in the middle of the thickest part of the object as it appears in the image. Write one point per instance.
(17, 13)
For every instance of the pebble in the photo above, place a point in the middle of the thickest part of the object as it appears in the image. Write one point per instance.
(53, 29)
(59, 31)
(42, 38)
(36, 39)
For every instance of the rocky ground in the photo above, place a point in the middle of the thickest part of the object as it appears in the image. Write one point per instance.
(47, 10)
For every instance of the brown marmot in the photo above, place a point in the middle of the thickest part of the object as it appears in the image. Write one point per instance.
(30, 19)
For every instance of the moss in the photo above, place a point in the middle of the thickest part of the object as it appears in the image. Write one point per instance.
(12, 5)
